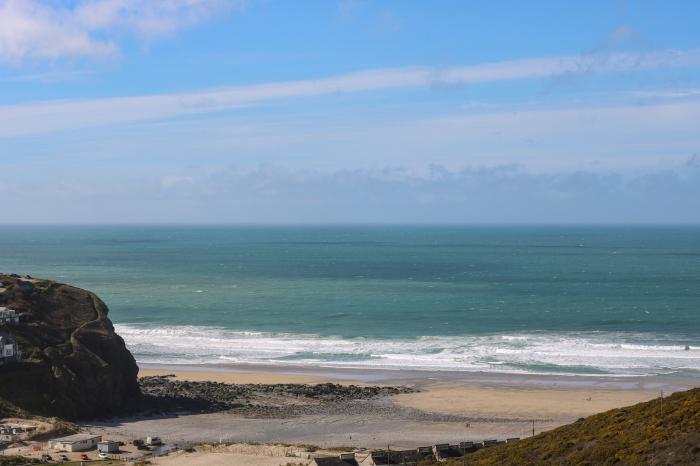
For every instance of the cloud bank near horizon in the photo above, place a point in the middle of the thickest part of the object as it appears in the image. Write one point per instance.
(502, 194)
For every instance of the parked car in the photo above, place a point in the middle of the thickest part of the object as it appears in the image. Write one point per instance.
(137, 443)
(103, 456)
(155, 441)
(46, 457)
(84, 457)
(63, 457)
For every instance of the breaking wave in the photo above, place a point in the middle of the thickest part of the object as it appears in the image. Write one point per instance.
(593, 353)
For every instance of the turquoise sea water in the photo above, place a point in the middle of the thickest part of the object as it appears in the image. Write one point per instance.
(591, 300)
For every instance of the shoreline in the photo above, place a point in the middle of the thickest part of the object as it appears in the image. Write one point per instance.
(503, 397)
(263, 373)
(446, 407)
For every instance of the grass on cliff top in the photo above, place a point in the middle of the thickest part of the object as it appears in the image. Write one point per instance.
(652, 433)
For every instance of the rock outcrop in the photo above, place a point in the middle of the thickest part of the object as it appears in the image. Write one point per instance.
(72, 364)
(166, 394)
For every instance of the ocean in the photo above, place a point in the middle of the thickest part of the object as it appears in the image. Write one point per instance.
(596, 300)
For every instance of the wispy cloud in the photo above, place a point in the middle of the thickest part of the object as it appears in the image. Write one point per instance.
(39, 30)
(63, 115)
(50, 76)
(669, 93)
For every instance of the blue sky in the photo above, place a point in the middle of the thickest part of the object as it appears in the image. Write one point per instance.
(193, 111)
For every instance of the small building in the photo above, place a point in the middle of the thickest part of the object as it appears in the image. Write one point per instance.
(8, 437)
(403, 457)
(444, 451)
(8, 349)
(380, 457)
(469, 447)
(108, 446)
(77, 442)
(344, 459)
(8, 316)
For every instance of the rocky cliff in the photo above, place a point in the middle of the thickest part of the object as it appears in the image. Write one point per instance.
(72, 365)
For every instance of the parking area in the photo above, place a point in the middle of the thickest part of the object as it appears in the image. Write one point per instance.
(127, 452)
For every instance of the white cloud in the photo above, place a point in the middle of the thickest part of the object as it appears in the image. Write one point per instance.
(50, 116)
(40, 30)
(670, 94)
(50, 76)
(627, 138)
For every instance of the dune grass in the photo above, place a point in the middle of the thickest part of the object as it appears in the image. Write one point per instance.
(658, 432)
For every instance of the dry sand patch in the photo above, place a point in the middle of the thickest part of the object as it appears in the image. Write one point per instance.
(517, 403)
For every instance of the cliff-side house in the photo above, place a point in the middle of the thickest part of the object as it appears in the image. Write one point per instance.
(8, 316)
(8, 349)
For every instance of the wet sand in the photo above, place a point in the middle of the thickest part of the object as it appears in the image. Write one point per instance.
(450, 407)
(235, 377)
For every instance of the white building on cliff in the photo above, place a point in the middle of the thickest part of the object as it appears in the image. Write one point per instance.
(8, 316)
(8, 348)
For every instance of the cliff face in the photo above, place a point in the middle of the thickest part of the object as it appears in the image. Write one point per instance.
(72, 363)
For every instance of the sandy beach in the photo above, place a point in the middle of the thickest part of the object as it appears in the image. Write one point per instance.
(447, 407)
(513, 403)
(237, 376)
(499, 401)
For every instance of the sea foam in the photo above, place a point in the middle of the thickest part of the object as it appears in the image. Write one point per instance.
(592, 353)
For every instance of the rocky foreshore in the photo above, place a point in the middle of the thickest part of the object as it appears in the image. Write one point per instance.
(166, 394)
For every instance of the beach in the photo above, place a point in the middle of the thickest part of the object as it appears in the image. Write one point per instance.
(444, 407)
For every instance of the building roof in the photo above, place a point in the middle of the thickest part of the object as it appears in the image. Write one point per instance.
(396, 457)
(335, 461)
(451, 451)
(76, 438)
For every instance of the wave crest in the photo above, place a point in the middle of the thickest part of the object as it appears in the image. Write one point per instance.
(594, 353)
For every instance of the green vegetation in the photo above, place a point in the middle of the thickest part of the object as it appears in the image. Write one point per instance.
(16, 461)
(304, 446)
(658, 432)
(341, 448)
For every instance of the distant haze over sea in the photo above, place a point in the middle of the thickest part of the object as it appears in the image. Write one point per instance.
(538, 299)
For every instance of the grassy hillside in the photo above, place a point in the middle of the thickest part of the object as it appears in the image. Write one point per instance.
(650, 433)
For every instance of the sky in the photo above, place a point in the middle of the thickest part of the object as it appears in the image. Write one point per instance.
(349, 111)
